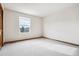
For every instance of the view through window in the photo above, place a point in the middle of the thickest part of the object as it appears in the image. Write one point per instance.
(24, 24)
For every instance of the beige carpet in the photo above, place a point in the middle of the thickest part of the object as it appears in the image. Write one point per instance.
(39, 47)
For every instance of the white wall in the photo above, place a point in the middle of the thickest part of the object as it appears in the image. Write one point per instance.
(63, 25)
(11, 26)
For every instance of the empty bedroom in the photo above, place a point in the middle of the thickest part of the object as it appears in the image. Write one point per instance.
(39, 29)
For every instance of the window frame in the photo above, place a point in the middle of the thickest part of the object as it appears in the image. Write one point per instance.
(29, 26)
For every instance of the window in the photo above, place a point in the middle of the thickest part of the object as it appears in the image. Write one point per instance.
(24, 24)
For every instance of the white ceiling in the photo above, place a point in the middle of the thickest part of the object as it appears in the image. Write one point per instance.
(38, 9)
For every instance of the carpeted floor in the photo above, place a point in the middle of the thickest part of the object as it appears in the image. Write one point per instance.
(39, 47)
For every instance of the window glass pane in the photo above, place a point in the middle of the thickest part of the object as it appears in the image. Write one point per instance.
(24, 24)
